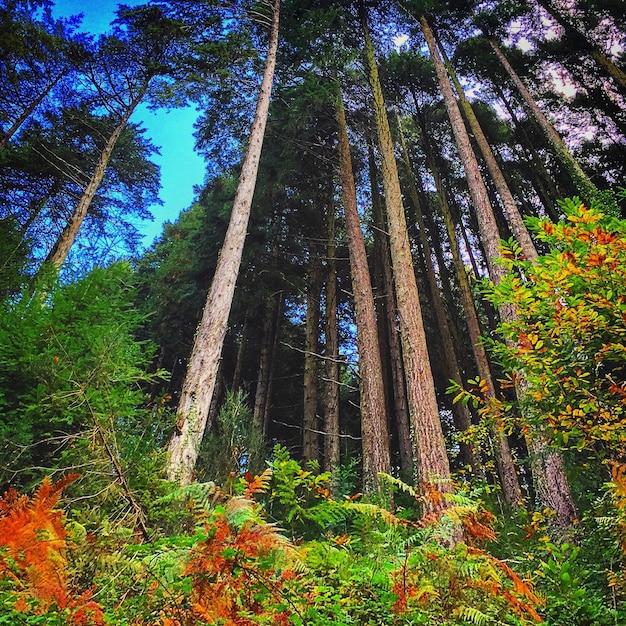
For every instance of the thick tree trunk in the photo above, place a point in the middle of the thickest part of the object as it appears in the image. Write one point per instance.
(461, 414)
(192, 412)
(374, 432)
(433, 469)
(332, 451)
(587, 189)
(63, 244)
(400, 414)
(310, 422)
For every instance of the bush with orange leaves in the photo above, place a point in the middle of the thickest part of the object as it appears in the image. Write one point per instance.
(33, 560)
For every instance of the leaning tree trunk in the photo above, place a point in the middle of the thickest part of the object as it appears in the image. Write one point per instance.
(63, 244)
(192, 411)
(513, 216)
(507, 474)
(433, 468)
(374, 433)
(581, 39)
(28, 110)
(560, 500)
(588, 190)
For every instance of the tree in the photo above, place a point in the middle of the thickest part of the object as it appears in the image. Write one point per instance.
(374, 434)
(122, 73)
(432, 462)
(193, 407)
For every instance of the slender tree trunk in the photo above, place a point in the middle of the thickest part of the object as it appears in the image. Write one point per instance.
(433, 468)
(588, 190)
(27, 111)
(192, 412)
(261, 396)
(400, 413)
(374, 433)
(514, 219)
(310, 422)
(241, 351)
(273, 362)
(63, 244)
(461, 414)
(579, 35)
(542, 180)
(487, 225)
(332, 457)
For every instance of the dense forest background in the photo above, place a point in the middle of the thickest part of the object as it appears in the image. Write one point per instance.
(374, 374)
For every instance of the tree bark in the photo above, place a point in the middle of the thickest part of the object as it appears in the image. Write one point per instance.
(578, 35)
(433, 469)
(63, 244)
(507, 474)
(261, 396)
(487, 225)
(461, 414)
(28, 110)
(374, 432)
(310, 425)
(192, 412)
(514, 219)
(332, 451)
(587, 189)
(400, 414)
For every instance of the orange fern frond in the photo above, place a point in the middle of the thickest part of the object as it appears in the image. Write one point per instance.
(258, 484)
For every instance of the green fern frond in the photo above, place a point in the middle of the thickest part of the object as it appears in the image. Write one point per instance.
(374, 511)
(472, 615)
(328, 513)
(396, 482)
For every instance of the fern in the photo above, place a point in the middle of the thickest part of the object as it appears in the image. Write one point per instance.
(374, 511)
(472, 615)
(399, 484)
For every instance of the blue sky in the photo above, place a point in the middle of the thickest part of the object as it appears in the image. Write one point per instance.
(172, 131)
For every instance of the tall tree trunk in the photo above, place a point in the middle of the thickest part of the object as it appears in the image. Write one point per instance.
(400, 413)
(507, 474)
(261, 396)
(192, 412)
(63, 244)
(514, 219)
(433, 468)
(28, 110)
(542, 180)
(488, 231)
(374, 432)
(587, 189)
(332, 456)
(310, 422)
(461, 414)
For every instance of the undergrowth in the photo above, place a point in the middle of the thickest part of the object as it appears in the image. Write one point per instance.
(279, 549)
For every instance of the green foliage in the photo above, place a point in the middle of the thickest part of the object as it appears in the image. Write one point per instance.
(235, 444)
(72, 393)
